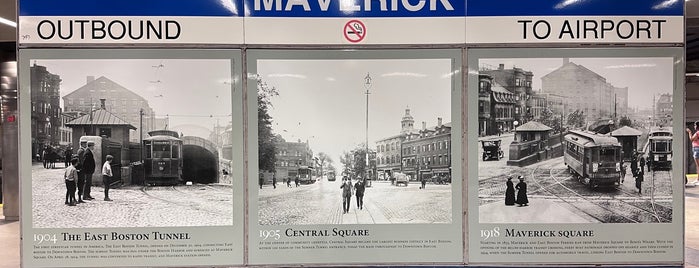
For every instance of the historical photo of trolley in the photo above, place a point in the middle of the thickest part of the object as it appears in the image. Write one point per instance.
(575, 140)
(131, 142)
(354, 141)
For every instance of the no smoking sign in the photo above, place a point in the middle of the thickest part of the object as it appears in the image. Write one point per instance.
(354, 31)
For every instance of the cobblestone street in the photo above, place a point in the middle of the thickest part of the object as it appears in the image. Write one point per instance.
(321, 203)
(133, 206)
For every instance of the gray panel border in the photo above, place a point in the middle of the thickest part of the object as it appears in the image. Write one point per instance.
(454, 256)
(236, 231)
(674, 230)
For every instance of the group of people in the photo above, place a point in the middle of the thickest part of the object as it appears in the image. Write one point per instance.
(287, 181)
(348, 189)
(78, 176)
(637, 163)
(521, 188)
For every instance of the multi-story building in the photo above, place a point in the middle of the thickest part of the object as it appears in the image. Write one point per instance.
(120, 101)
(517, 82)
(663, 110)
(496, 106)
(622, 101)
(388, 150)
(427, 153)
(46, 109)
(292, 158)
(586, 91)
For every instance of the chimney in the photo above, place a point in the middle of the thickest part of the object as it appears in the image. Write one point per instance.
(566, 61)
(90, 78)
(424, 125)
(501, 66)
(102, 105)
(439, 121)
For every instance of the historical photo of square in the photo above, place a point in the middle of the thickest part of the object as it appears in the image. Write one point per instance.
(131, 142)
(354, 141)
(575, 140)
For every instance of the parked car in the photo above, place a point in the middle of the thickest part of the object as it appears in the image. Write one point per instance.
(401, 178)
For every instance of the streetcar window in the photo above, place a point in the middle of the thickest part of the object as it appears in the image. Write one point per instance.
(161, 150)
(607, 154)
(147, 149)
(175, 151)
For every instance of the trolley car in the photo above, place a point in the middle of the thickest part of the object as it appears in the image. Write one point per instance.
(592, 158)
(163, 158)
(660, 148)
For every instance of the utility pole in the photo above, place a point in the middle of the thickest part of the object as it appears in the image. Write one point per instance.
(367, 85)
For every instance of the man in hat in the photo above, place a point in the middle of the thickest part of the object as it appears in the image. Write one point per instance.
(88, 167)
(81, 173)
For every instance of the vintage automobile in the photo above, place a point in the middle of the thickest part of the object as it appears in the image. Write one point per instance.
(401, 178)
(491, 150)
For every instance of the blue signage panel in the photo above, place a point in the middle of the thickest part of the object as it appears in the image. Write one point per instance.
(482, 8)
(355, 8)
(210, 8)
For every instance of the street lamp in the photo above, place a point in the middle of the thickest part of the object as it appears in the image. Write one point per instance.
(367, 86)
(515, 123)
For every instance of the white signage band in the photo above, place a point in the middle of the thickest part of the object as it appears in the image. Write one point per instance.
(559, 29)
(131, 30)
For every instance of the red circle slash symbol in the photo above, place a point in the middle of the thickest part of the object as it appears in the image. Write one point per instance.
(354, 31)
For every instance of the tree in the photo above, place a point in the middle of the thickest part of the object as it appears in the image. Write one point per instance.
(551, 120)
(576, 119)
(266, 138)
(354, 162)
(325, 162)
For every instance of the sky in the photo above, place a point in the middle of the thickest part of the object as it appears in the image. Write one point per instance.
(193, 93)
(645, 77)
(324, 101)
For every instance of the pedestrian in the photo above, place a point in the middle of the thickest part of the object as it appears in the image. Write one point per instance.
(262, 179)
(694, 139)
(88, 169)
(623, 172)
(346, 194)
(359, 188)
(288, 182)
(642, 162)
(648, 163)
(70, 176)
(107, 176)
(634, 165)
(296, 180)
(274, 181)
(509, 192)
(639, 180)
(423, 182)
(521, 187)
(81, 173)
(67, 156)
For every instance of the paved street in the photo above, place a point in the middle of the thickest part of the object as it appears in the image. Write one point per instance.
(550, 180)
(133, 206)
(321, 203)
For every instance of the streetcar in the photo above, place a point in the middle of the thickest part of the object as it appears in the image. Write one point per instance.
(660, 148)
(163, 158)
(594, 159)
(306, 175)
(331, 175)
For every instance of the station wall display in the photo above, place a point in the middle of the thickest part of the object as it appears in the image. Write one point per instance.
(244, 132)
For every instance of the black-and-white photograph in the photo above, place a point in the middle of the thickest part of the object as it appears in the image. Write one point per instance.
(575, 140)
(354, 141)
(131, 142)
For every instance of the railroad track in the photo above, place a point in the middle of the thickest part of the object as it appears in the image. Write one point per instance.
(147, 191)
(649, 214)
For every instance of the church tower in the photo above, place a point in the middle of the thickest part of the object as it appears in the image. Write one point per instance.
(407, 122)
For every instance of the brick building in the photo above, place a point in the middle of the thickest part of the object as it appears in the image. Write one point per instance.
(46, 109)
(120, 101)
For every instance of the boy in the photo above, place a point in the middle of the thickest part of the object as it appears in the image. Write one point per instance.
(71, 177)
(106, 176)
